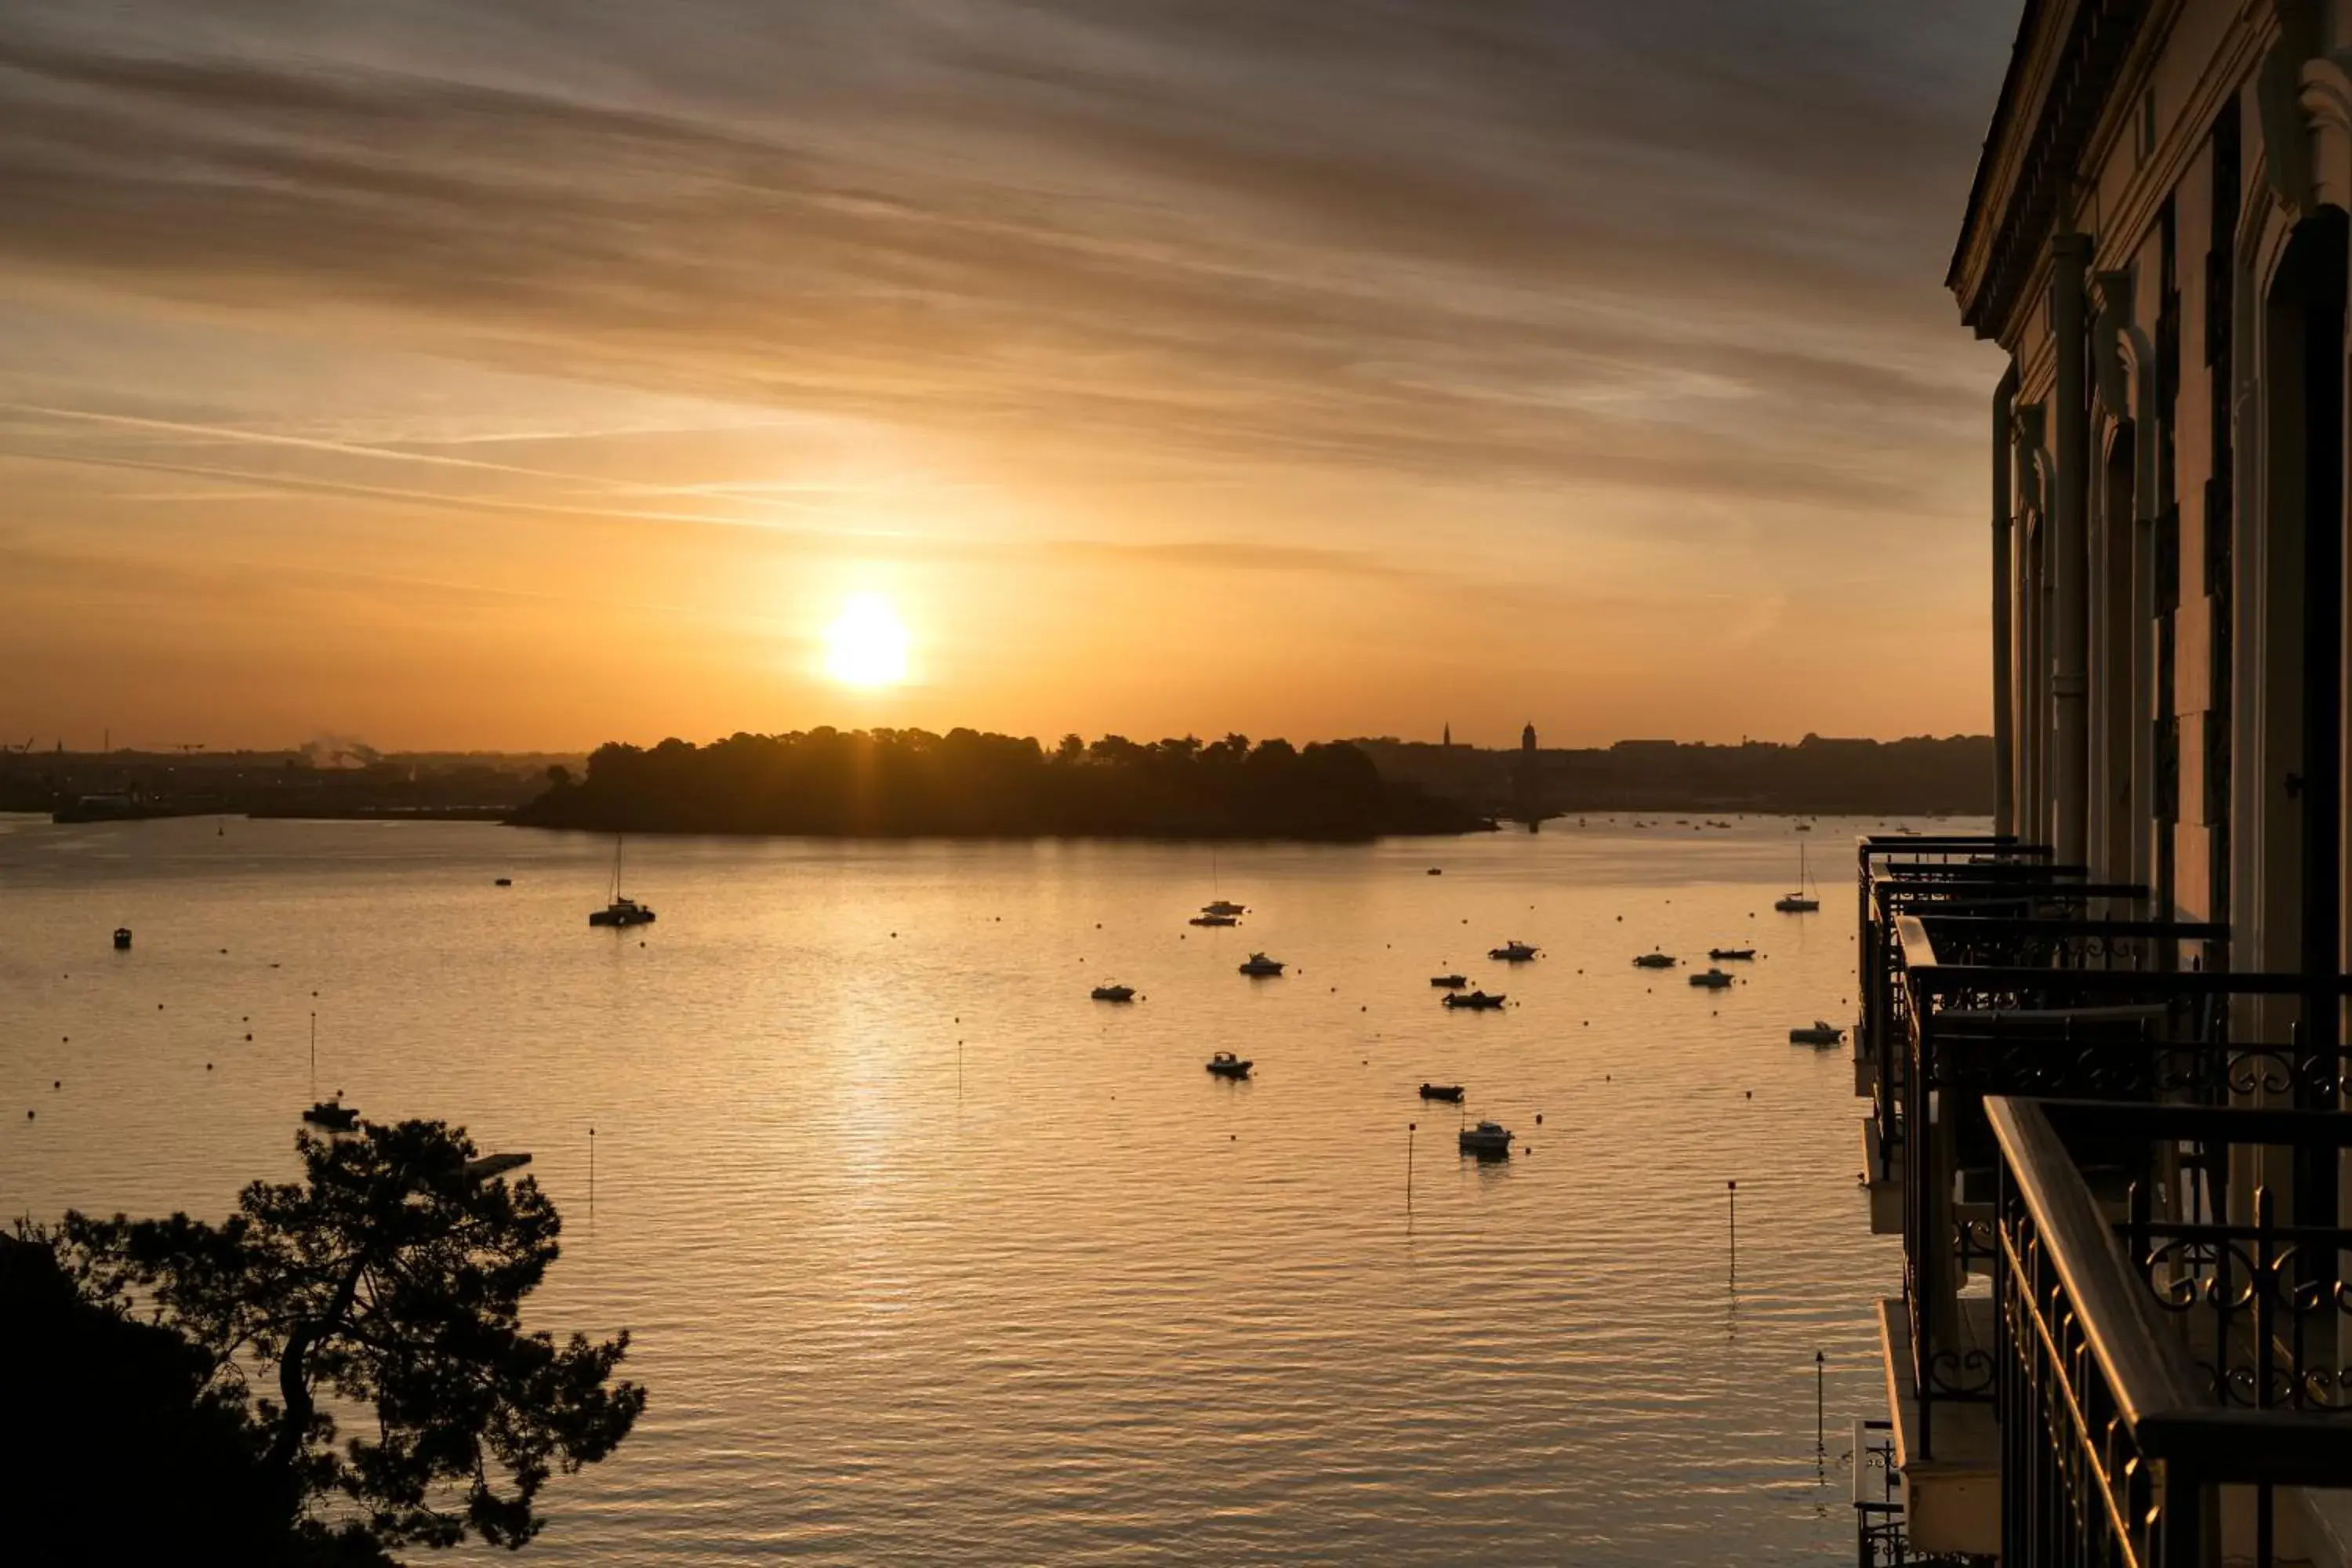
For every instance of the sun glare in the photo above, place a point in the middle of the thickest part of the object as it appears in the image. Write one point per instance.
(866, 646)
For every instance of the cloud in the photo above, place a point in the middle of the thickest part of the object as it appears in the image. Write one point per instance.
(1660, 248)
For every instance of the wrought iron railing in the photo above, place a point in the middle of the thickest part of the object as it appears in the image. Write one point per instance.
(2116, 1034)
(2144, 1363)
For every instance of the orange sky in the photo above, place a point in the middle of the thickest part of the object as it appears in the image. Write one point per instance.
(411, 372)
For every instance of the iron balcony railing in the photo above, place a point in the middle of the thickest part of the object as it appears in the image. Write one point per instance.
(2151, 1364)
(2113, 1034)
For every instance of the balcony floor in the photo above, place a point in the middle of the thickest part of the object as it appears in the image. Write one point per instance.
(1951, 1502)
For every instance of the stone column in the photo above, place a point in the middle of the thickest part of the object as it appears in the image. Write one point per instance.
(2004, 697)
(2069, 560)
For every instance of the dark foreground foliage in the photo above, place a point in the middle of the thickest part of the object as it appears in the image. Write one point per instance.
(389, 1278)
(891, 783)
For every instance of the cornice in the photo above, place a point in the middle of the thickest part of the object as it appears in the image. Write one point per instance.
(2032, 173)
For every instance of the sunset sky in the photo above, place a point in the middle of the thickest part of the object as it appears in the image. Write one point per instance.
(525, 375)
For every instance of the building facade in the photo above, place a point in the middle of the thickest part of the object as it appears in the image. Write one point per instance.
(2156, 234)
(2106, 1049)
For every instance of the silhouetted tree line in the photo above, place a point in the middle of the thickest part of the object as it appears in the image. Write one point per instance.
(964, 783)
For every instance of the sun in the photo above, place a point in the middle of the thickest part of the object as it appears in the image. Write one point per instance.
(866, 646)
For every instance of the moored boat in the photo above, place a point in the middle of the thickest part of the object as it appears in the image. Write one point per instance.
(1451, 982)
(1654, 960)
(1476, 1001)
(1258, 964)
(333, 1115)
(1820, 1033)
(620, 911)
(1488, 1141)
(122, 938)
(1712, 978)
(1721, 954)
(1224, 1063)
(1513, 951)
(1213, 921)
(1450, 1092)
(1114, 993)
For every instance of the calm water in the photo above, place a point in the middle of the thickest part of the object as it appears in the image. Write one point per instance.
(931, 1258)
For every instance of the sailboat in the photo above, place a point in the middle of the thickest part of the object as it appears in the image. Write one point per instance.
(620, 911)
(1219, 910)
(1800, 902)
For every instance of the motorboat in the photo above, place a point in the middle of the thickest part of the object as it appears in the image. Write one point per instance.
(1804, 828)
(1449, 1093)
(1437, 870)
(1654, 960)
(122, 938)
(1223, 906)
(1477, 1000)
(620, 911)
(1224, 1063)
(502, 882)
(1820, 1033)
(1721, 954)
(1488, 1141)
(1213, 921)
(332, 1115)
(1712, 978)
(1801, 901)
(1450, 981)
(1513, 951)
(1260, 964)
(1114, 993)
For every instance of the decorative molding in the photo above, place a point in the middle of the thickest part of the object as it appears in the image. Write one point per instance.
(2279, 98)
(2323, 101)
(2029, 425)
(2120, 351)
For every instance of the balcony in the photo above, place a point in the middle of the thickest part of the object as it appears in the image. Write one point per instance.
(1991, 975)
(2171, 1382)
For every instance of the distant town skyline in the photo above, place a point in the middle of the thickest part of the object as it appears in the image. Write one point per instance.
(463, 382)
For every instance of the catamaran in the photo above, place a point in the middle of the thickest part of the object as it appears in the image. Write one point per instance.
(620, 911)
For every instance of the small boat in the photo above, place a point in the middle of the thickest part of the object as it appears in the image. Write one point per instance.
(1654, 960)
(1712, 978)
(1260, 964)
(1800, 902)
(620, 911)
(1437, 870)
(1720, 953)
(1114, 993)
(1224, 1063)
(333, 1115)
(1223, 906)
(1804, 828)
(122, 938)
(1822, 1033)
(1450, 981)
(1449, 1093)
(1512, 952)
(1213, 921)
(502, 882)
(1478, 1001)
(1488, 1141)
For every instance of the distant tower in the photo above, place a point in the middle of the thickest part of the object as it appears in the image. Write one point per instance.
(1449, 736)
(1530, 795)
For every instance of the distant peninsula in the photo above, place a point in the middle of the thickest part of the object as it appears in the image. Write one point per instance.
(1922, 775)
(967, 784)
